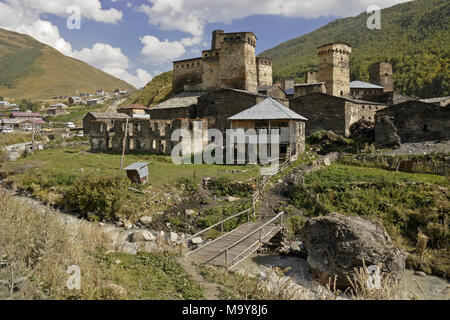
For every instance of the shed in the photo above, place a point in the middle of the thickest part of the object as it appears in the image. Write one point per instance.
(138, 172)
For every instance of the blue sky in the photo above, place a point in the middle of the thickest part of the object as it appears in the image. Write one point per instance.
(135, 40)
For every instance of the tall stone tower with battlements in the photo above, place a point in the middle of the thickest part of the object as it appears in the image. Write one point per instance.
(334, 68)
(230, 63)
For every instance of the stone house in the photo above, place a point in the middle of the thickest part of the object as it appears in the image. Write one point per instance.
(271, 117)
(134, 111)
(327, 112)
(412, 121)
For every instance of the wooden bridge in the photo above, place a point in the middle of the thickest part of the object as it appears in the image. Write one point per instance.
(233, 247)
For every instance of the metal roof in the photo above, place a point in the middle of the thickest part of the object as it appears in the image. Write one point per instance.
(136, 166)
(133, 106)
(363, 85)
(182, 100)
(268, 109)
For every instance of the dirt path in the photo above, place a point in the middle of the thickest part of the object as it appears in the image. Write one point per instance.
(211, 289)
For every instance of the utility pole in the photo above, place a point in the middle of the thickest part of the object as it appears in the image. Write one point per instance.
(32, 135)
(124, 144)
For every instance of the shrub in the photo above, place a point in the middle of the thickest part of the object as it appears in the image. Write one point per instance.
(102, 196)
(225, 187)
(188, 185)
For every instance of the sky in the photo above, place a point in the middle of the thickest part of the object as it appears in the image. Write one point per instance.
(136, 40)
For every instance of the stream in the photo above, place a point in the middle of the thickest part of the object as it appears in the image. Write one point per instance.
(431, 287)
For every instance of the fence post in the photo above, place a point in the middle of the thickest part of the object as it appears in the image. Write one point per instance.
(221, 228)
(226, 259)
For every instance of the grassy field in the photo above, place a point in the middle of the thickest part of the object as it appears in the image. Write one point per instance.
(37, 249)
(408, 205)
(10, 139)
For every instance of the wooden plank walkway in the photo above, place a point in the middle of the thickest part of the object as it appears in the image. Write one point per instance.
(233, 247)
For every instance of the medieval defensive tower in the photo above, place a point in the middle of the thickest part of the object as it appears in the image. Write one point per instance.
(381, 74)
(264, 72)
(334, 68)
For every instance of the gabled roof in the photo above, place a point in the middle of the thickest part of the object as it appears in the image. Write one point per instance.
(182, 100)
(268, 109)
(133, 106)
(363, 85)
(136, 166)
(106, 116)
(25, 115)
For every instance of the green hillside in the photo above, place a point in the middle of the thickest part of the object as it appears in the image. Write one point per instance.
(414, 37)
(156, 91)
(30, 69)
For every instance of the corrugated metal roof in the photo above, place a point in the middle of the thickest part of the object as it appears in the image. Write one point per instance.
(136, 166)
(268, 109)
(363, 85)
(181, 100)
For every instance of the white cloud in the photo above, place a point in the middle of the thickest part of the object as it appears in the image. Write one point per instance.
(191, 16)
(161, 51)
(24, 16)
(113, 61)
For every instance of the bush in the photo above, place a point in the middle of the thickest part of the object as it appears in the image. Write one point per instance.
(102, 196)
(225, 187)
(188, 185)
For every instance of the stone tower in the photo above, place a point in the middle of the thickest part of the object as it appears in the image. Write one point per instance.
(264, 72)
(334, 68)
(382, 74)
(237, 65)
(311, 77)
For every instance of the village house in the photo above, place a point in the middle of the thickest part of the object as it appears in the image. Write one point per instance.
(100, 93)
(94, 102)
(75, 100)
(135, 111)
(57, 109)
(4, 104)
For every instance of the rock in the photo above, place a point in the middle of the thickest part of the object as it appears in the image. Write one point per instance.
(337, 244)
(327, 162)
(128, 248)
(117, 261)
(146, 220)
(128, 225)
(147, 247)
(142, 236)
(233, 199)
(197, 240)
(173, 237)
(189, 212)
(420, 274)
(279, 181)
(116, 289)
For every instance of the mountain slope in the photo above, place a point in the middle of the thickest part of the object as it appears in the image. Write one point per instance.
(156, 91)
(414, 37)
(30, 69)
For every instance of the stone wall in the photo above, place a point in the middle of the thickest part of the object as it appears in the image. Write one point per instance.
(334, 68)
(210, 69)
(305, 89)
(173, 113)
(312, 77)
(414, 121)
(187, 75)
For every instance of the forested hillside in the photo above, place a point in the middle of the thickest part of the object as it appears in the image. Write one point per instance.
(414, 37)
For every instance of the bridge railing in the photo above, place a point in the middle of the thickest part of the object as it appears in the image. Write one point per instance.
(230, 262)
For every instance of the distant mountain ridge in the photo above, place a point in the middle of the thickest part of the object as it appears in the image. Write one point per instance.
(31, 69)
(414, 37)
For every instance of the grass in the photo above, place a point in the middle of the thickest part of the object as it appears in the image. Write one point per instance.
(59, 75)
(15, 138)
(38, 248)
(406, 204)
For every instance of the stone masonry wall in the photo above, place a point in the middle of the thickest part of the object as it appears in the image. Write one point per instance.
(334, 68)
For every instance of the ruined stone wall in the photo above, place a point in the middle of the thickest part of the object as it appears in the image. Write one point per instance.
(356, 111)
(298, 136)
(276, 92)
(324, 112)
(187, 75)
(334, 68)
(264, 72)
(237, 65)
(304, 90)
(382, 74)
(415, 121)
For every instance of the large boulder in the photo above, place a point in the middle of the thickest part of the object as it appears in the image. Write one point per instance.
(338, 244)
